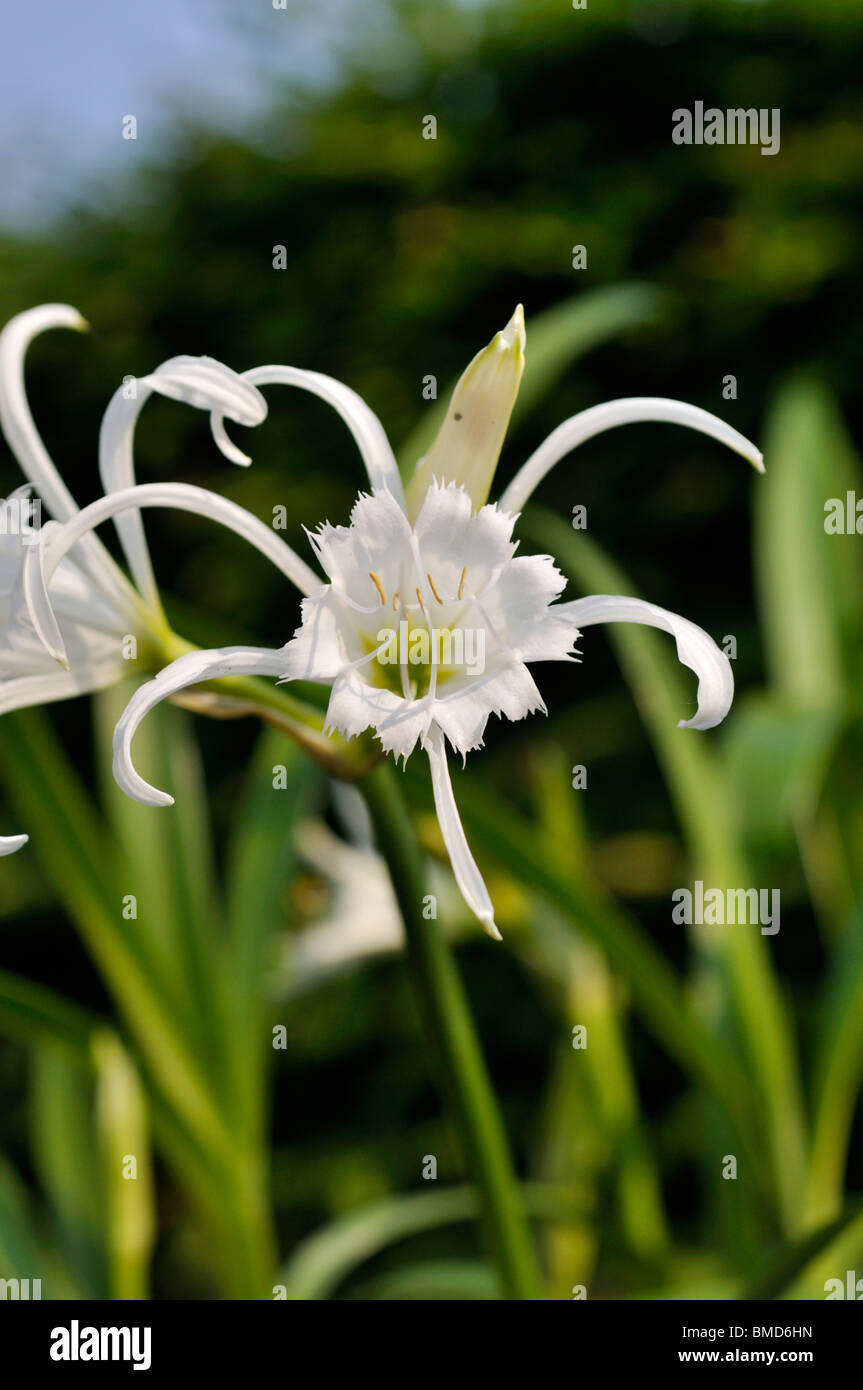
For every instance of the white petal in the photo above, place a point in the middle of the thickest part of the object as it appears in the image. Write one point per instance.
(694, 648)
(26, 443)
(507, 690)
(197, 381)
(316, 652)
(18, 427)
(519, 608)
(355, 706)
(179, 496)
(22, 692)
(599, 418)
(451, 535)
(376, 541)
(467, 875)
(206, 384)
(10, 843)
(37, 604)
(191, 669)
(366, 428)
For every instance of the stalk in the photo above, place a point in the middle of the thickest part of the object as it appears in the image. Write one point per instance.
(449, 1026)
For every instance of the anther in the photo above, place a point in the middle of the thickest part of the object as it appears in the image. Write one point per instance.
(379, 586)
(433, 589)
(461, 582)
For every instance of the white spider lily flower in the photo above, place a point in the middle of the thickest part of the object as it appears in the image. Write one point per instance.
(428, 621)
(96, 609)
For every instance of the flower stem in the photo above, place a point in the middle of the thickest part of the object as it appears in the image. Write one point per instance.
(449, 1025)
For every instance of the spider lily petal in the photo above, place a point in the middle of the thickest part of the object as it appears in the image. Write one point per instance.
(191, 669)
(468, 443)
(15, 417)
(694, 648)
(9, 843)
(197, 381)
(467, 875)
(26, 443)
(598, 418)
(42, 561)
(442, 568)
(366, 428)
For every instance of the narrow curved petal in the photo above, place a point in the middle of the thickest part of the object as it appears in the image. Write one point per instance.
(197, 381)
(42, 561)
(597, 419)
(467, 875)
(26, 443)
(694, 648)
(191, 669)
(10, 843)
(366, 428)
(23, 438)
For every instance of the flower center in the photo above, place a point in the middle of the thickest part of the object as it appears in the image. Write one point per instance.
(414, 654)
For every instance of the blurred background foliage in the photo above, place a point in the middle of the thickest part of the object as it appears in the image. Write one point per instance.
(404, 255)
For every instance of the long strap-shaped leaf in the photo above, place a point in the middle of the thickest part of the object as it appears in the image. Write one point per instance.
(703, 807)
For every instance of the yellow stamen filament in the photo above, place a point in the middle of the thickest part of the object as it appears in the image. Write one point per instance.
(379, 586)
(461, 582)
(433, 589)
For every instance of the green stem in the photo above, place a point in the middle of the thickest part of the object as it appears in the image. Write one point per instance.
(447, 1018)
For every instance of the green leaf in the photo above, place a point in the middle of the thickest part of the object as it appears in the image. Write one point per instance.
(66, 1159)
(77, 853)
(166, 860)
(784, 1264)
(324, 1260)
(261, 867)
(32, 1013)
(501, 836)
(777, 759)
(810, 583)
(700, 790)
(23, 1254)
(122, 1129)
(590, 994)
(464, 1280)
(837, 1071)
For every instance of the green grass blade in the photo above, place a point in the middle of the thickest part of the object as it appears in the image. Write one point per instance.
(67, 1161)
(261, 866)
(784, 1265)
(77, 854)
(590, 997)
(324, 1260)
(167, 862)
(705, 809)
(33, 1014)
(122, 1129)
(501, 836)
(837, 1073)
(810, 583)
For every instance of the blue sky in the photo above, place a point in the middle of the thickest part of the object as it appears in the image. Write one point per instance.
(71, 69)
